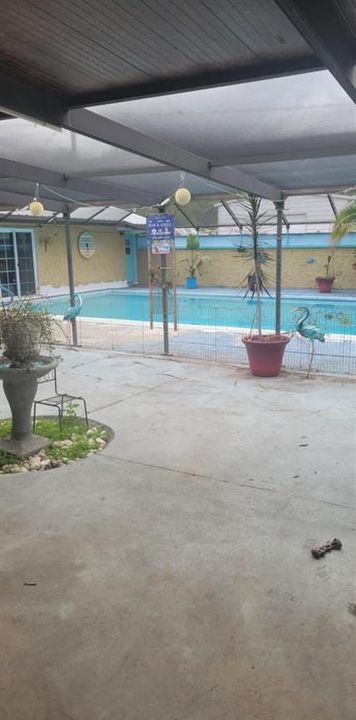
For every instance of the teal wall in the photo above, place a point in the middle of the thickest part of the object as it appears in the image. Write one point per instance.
(228, 242)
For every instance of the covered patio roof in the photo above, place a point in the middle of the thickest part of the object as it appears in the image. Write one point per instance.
(211, 215)
(119, 100)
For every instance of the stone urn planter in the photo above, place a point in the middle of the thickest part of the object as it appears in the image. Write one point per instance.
(20, 387)
(24, 328)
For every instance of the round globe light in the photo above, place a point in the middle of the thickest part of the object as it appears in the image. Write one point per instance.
(36, 208)
(182, 196)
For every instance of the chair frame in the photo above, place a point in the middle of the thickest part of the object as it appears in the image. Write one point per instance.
(57, 401)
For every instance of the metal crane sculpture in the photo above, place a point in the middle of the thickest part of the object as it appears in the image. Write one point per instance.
(312, 332)
(74, 310)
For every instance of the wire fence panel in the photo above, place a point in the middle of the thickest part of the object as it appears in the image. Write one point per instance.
(214, 332)
(338, 353)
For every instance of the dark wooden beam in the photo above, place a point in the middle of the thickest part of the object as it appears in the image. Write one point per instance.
(20, 98)
(197, 81)
(323, 28)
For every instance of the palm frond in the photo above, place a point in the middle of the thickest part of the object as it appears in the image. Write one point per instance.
(192, 242)
(345, 222)
(258, 218)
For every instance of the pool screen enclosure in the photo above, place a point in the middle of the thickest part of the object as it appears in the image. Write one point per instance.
(268, 107)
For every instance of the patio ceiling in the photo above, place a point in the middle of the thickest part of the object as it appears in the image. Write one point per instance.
(83, 53)
(267, 129)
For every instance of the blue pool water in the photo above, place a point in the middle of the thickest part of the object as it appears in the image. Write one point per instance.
(228, 311)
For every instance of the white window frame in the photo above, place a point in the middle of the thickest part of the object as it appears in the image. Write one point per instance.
(15, 230)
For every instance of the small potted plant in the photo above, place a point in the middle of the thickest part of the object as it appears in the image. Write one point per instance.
(194, 262)
(264, 350)
(325, 282)
(23, 330)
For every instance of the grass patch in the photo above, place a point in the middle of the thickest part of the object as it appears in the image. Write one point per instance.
(74, 442)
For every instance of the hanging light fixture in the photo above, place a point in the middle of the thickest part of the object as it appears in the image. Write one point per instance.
(36, 207)
(182, 196)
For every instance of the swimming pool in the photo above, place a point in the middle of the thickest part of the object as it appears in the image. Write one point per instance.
(217, 310)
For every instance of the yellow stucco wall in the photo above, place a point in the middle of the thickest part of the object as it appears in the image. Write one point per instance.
(227, 268)
(298, 273)
(107, 264)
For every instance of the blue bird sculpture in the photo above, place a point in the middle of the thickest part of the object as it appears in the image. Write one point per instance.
(311, 332)
(74, 310)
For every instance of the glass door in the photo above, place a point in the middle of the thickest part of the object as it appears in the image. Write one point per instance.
(25, 263)
(8, 276)
(17, 271)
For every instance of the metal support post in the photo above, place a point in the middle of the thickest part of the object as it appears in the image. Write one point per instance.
(279, 205)
(164, 299)
(165, 304)
(66, 216)
(174, 278)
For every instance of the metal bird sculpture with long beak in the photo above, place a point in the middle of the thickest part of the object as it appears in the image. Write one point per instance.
(74, 310)
(311, 332)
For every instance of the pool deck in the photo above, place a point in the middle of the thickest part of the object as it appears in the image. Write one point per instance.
(171, 574)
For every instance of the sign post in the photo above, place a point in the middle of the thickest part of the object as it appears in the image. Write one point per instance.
(160, 235)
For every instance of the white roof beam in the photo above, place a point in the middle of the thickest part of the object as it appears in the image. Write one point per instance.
(19, 200)
(288, 155)
(294, 192)
(118, 172)
(99, 190)
(105, 130)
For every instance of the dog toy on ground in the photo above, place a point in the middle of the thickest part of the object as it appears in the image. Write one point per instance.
(319, 551)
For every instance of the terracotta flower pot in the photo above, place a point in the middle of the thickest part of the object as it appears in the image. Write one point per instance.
(265, 353)
(325, 284)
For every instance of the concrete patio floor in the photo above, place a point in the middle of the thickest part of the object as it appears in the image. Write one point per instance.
(173, 575)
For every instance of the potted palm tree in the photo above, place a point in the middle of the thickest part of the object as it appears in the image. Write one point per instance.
(194, 262)
(265, 350)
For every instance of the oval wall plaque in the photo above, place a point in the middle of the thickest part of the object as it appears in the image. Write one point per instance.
(86, 244)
